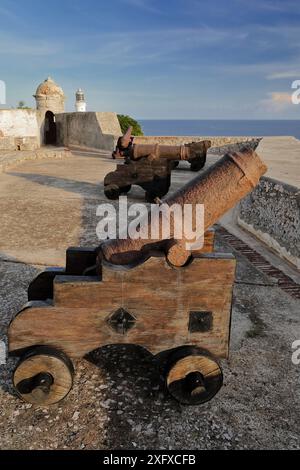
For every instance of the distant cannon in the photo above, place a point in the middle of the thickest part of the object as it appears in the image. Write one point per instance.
(150, 166)
(171, 298)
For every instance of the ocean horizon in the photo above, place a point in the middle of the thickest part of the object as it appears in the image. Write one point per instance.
(213, 127)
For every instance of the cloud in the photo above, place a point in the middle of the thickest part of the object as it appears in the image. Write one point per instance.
(119, 48)
(8, 14)
(277, 101)
(281, 97)
(14, 46)
(282, 75)
(269, 71)
(144, 5)
(280, 6)
(125, 49)
(129, 48)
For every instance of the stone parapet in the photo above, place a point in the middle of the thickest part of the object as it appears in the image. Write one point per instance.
(272, 213)
(10, 159)
(217, 141)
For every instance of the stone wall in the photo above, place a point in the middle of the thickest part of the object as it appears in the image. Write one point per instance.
(272, 213)
(90, 130)
(53, 103)
(109, 123)
(19, 129)
(174, 140)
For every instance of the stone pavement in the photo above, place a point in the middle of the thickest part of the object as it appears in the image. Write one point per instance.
(9, 159)
(48, 205)
(282, 156)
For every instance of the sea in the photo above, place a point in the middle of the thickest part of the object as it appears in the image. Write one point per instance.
(221, 127)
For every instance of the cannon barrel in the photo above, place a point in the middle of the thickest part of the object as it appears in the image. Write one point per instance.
(126, 148)
(126, 138)
(185, 152)
(218, 189)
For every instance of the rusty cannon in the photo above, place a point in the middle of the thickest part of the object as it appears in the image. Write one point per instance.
(168, 294)
(150, 166)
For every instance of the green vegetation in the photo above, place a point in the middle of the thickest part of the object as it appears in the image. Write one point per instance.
(22, 105)
(127, 121)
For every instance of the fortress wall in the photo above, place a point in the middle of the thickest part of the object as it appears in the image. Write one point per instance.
(272, 213)
(19, 129)
(91, 130)
(109, 123)
(174, 140)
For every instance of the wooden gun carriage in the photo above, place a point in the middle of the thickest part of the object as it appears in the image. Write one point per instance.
(156, 293)
(150, 166)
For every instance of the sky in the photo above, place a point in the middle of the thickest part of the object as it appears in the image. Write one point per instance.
(168, 59)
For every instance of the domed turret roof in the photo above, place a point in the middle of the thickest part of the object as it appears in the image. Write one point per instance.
(49, 87)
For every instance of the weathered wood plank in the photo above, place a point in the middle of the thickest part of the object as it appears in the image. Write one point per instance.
(159, 297)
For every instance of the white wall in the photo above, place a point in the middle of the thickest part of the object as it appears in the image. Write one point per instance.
(19, 128)
(18, 123)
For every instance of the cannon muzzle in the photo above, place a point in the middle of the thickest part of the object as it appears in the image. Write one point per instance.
(124, 144)
(219, 189)
(127, 138)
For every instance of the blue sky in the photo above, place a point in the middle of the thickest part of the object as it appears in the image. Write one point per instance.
(206, 59)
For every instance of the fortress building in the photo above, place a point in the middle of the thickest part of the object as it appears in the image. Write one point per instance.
(50, 97)
(49, 124)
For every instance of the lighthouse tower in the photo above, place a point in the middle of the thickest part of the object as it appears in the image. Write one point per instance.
(80, 102)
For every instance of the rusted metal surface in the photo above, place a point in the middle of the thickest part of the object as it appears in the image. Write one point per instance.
(152, 176)
(124, 144)
(218, 189)
(150, 166)
(188, 152)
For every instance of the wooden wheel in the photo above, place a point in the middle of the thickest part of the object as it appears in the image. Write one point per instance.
(193, 376)
(112, 191)
(157, 189)
(150, 197)
(44, 376)
(125, 189)
(198, 164)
